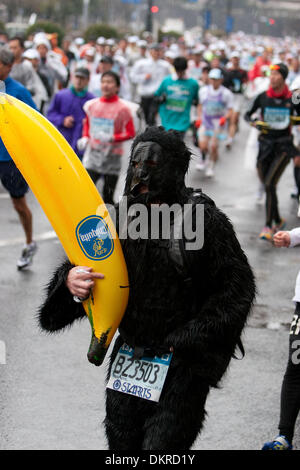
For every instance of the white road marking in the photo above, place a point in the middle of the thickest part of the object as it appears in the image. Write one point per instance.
(51, 235)
(4, 196)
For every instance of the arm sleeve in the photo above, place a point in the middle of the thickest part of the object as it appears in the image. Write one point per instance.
(295, 237)
(254, 107)
(137, 74)
(128, 127)
(211, 337)
(161, 89)
(25, 96)
(59, 309)
(54, 115)
(86, 127)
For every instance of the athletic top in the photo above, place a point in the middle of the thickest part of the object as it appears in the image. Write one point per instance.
(215, 104)
(276, 112)
(14, 88)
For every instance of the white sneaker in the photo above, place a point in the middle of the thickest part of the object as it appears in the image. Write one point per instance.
(26, 256)
(228, 143)
(210, 169)
(200, 166)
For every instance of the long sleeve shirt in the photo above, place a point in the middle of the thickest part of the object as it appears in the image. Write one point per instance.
(109, 122)
(295, 241)
(67, 103)
(157, 69)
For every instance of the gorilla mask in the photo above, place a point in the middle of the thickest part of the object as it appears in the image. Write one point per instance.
(158, 163)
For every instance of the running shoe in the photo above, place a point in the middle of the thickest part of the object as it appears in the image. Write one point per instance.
(279, 443)
(228, 143)
(26, 256)
(266, 234)
(260, 195)
(201, 165)
(279, 227)
(210, 169)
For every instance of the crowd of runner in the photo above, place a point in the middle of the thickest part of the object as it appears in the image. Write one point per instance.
(102, 92)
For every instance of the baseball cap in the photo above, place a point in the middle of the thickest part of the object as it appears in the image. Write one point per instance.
(142, 43)
(216, 74)
(155, 46)
(31, 54)
(82, 72)
(106, 59)
(101, 40)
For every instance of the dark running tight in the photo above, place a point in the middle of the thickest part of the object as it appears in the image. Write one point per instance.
(290, 392)
(270, 173)
(110, 182)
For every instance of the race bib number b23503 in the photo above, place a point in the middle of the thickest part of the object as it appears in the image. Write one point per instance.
(143, 378)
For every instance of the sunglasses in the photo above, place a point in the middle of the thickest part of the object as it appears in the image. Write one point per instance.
(274, 67)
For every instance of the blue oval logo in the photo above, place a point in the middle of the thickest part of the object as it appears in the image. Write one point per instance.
(94, 238)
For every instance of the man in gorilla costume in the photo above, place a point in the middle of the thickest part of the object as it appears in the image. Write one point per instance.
(193, 303)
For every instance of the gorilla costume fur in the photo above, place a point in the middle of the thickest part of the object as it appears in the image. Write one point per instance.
(199, 308)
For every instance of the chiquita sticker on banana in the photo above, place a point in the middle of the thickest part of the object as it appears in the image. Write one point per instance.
(75, 210)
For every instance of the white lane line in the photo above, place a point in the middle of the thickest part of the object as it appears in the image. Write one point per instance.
(4, 196)
(16, 241)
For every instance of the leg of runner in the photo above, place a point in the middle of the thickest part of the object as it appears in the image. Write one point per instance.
(110, 183)
(297, 178)
(270, 175)
(290, 391)
(25, 215)
(204, 146)
(212, 158)
(94, 175)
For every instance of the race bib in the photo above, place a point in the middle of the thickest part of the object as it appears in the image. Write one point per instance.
(143, 378)
(176, 104)
(102, 129)
(214, 109)
(277, 118)
(236, 85)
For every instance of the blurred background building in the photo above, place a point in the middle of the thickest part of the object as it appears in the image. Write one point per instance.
(264, 17)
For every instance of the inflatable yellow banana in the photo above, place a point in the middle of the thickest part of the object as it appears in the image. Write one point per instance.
(75, 210)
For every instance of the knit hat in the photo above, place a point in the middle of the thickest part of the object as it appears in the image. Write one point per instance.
(281, 68)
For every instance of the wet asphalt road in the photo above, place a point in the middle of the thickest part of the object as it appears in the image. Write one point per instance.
(52, 398)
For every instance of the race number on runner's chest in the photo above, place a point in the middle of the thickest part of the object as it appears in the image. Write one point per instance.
(143, 378)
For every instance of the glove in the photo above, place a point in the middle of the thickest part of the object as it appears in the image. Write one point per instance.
(198, 123)
(222, 121)
(82, 143)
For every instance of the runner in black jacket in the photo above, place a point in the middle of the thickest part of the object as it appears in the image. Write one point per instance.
(276, 146)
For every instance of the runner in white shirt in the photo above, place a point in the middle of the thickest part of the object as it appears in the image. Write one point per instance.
(148, 75)
(215, 109)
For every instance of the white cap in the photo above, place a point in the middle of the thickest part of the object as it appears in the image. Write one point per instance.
(174, 47)
(31, 54)
(235, 54)
(216, 74)
(28, 44)
(90, 51)
(40, 38)
(110, 42)
(79, 41)
(133, 39)
(222, 45)
(199, 49)
(171, 54)
(142, 43)
(101, 40)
